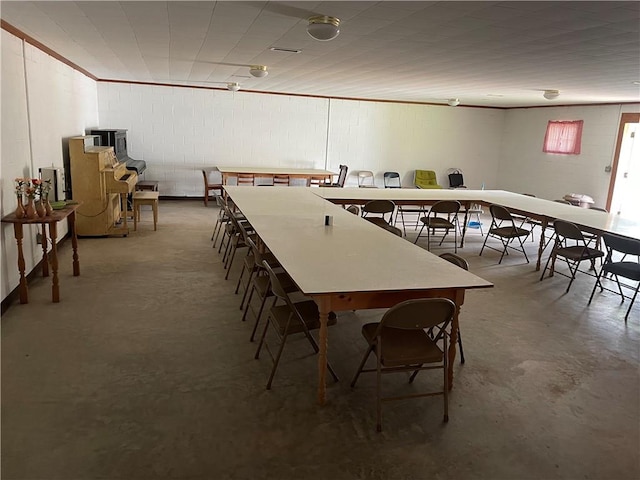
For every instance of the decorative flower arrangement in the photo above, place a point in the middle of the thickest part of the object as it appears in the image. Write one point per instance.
(32, 188)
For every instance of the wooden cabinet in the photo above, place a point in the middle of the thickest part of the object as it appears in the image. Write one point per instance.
(100, 212)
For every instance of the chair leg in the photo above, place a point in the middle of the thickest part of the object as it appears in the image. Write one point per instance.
(446, 381)
(596, 286)
(633, 299)
(262, 337)
(258, 315)
(278, 355)
(460, 345)
(247, 305)
(246, 292)
(420, 233)
(364, 360)
(378, 387)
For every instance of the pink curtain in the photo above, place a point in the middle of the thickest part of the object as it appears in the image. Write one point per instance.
(563, 137)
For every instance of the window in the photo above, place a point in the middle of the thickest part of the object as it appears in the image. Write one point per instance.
(563, 137)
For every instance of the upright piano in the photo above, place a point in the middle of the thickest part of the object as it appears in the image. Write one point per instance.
(102, 183)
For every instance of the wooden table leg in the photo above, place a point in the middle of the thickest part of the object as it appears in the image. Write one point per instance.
(453, 342)
(45, 255)
(55, 287)
(324, 308)
(543, 226)
(74, 243)
(24, 291)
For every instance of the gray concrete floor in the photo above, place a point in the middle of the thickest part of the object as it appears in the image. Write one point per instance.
(144, 370)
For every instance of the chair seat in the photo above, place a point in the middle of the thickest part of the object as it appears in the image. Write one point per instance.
(308, 310)
(402, 346)
(262, 284)
(381, 222)
(578, 252)
(509, 232)
(630, 270)
(437, 222)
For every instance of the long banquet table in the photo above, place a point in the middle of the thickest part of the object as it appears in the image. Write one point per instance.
(544, 211)
(350, 265)
(270, 172)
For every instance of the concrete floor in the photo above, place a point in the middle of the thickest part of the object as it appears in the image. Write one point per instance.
(144, 371)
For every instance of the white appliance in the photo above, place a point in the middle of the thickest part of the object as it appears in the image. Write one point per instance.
(56, 176)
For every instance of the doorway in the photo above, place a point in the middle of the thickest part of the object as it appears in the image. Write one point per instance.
(624, 188)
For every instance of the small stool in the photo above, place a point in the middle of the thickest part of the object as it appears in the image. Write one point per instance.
(145, 198)
(147, 185)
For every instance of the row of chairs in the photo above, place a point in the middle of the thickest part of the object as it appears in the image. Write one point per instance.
(422, 327)
(569, 242)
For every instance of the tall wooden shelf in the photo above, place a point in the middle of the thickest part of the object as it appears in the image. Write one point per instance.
(100, 212)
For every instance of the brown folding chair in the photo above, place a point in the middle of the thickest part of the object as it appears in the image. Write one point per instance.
(411, 336)
(503, 228)
(619, 267)
(432, 222)
(462, 263)
(290, 318)
(570, 245)
(380, 208)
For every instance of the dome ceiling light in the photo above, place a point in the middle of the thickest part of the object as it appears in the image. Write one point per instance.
(258, 71)
(233, 86)
(453, 102)
(323, 28)
(551, 94)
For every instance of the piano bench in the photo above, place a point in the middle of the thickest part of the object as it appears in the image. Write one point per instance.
(147, 185)
(145, 198)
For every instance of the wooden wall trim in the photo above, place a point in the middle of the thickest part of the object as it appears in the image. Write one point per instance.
(32, 41)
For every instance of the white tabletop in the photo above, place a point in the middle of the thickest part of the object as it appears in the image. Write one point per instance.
(352, 255)
(276, 171)
(593, 219)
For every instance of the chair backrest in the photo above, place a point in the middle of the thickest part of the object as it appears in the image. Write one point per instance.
(445, 206)
(365, 178)
(281, 180)
(419, 314)
(498, 212)
(627, 246)
(208, 183)
(567, 230)
(455, 259)
(342, 176)
(353, 209)
(378, 206)
(426, 179)
(277, 288)
(246, 179)
(392, 180)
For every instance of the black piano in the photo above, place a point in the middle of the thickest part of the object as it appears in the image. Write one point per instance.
(117, 138)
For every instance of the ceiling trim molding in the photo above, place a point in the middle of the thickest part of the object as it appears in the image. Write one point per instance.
(32, 41)
(40, 46)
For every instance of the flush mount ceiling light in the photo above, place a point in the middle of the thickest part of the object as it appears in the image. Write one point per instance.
(233, 86)
(551, 94)
(323, 28)
(453, 102)
(258, 71)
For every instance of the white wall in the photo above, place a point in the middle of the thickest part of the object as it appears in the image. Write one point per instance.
(525, 168)
(178, 131)
(54, 103)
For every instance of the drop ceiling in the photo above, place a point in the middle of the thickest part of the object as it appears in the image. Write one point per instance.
(492, 54)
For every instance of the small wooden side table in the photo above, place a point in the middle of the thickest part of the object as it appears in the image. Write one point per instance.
(69, 212)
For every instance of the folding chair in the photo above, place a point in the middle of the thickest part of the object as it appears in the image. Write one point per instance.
(571, 245)
(620, 268)
(411, 336)
(432, 221)
(381, 208)
(290, 318)
(504, 229)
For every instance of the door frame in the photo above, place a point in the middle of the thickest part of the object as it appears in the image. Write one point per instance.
(624, 119)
